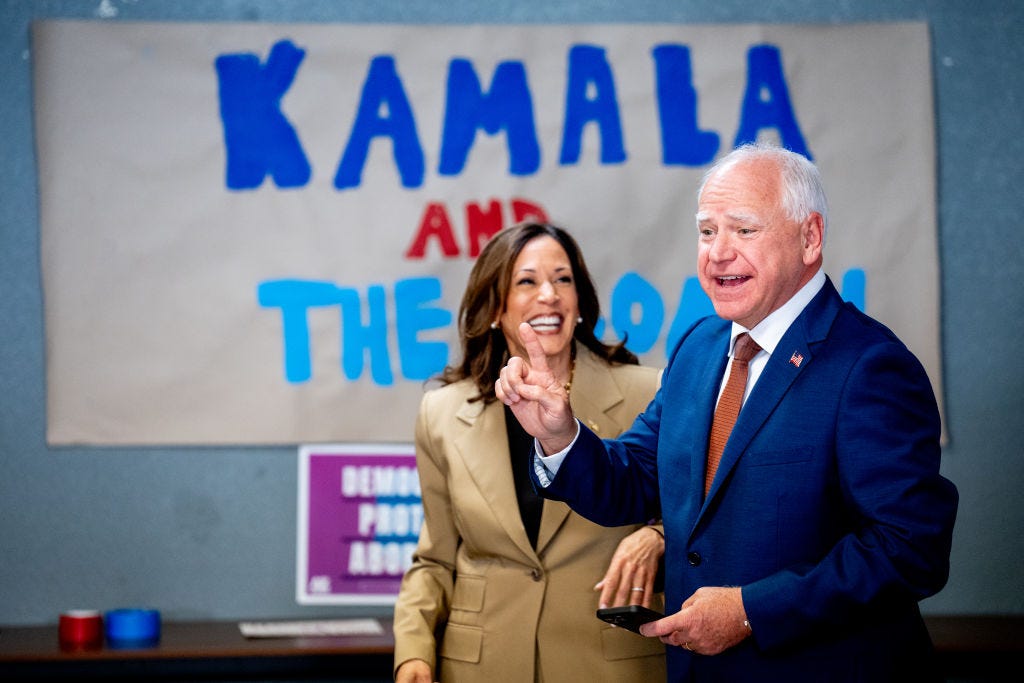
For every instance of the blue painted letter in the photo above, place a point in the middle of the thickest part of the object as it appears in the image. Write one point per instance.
(294, 298)
(632, 290)
(382, 90)
(359, 338)
(854, 286)
(694, 304)
(766, 101)
(508, 106)
(258, 139)
(588, 66)
(682, 143)
(419, 359)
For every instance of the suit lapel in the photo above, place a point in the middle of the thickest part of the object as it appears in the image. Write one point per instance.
(593, 394)
(483, 447)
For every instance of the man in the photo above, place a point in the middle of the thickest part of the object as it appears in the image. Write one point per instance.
(826, 520)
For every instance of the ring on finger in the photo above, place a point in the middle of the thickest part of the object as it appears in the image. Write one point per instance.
(687, 646)
(637, 588)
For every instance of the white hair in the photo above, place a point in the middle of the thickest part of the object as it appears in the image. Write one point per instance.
(802, 190)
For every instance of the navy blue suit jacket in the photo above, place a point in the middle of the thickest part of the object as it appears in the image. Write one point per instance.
(828, 508)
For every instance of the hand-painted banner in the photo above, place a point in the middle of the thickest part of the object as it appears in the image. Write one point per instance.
(260, 233)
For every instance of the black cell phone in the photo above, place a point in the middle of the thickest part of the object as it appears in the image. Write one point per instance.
(628, 616)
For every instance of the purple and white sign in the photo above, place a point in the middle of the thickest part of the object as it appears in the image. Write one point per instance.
(359, 517)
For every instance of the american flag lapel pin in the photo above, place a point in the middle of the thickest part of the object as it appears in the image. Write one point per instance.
(796, 359)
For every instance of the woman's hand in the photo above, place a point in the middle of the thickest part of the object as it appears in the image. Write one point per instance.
(414, 671)
(632, 570)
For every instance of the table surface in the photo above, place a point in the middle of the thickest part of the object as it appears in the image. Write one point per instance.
(995, 634)
(223, 639)
(190, 640)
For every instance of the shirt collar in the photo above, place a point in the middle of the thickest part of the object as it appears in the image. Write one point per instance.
(768, 333)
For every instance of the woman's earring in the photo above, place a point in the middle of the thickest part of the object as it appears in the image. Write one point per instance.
(494, 325)
(579, 319)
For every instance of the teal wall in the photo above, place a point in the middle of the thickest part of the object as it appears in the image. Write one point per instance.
(209, 533)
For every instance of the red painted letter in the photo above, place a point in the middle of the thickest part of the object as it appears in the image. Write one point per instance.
(435, 224)
(481, 224)
(524, 210)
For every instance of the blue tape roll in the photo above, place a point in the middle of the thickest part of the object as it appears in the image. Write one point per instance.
(132, 627)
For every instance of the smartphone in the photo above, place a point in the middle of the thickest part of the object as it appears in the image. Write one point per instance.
(628, 616)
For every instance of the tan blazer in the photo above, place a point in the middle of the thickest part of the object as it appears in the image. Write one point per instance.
(500, 610)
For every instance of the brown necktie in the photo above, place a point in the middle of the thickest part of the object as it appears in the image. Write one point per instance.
(729, 404)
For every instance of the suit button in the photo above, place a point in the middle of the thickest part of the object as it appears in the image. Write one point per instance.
(536, 575)
(693, 558)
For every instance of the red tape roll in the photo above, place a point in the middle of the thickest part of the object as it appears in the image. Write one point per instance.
(80, 628)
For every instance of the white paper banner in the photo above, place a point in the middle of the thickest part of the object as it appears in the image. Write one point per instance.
(260, 233)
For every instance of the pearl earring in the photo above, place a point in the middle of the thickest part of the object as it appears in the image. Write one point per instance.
(579, 319)
(494, 325)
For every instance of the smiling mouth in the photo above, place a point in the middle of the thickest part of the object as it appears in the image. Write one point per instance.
(732, 280)
(546, 323)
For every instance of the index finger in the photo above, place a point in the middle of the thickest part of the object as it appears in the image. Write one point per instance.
(538, 361)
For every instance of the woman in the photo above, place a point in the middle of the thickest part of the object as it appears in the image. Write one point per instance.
(502, 586)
